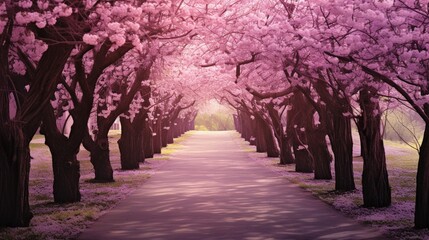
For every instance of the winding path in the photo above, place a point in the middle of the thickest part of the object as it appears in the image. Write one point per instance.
(210, 190)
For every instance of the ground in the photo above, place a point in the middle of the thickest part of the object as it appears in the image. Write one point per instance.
(53, 221)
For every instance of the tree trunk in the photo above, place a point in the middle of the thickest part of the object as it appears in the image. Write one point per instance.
(164, 137)
(192, 124)
(375, 181)
(286, 156)
(303, 160)
(15, 136)
(321, 156)
(342, 146)
(338, 128)
(247, 134)
(130, 145)
(237, 123)
(14, 175)
(259, 127)
(66, 167)
(66, 171)
(272, 150)
(165, 128)
(157, 141)
(300, 118)
(157, 129)
(421, 213)
(170, 138)
(100, 159)
(148, 141)
(252, 130)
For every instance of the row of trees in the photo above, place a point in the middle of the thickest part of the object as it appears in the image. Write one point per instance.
(297, 72)
(305, 70)
(84, 64)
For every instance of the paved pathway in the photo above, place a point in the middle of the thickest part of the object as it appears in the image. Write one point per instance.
(210, 190)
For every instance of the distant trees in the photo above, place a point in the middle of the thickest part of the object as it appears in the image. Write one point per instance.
(217, 121)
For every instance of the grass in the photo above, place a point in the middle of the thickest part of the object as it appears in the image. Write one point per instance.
(34, 146)
(87, 214)
(178, 144)
(66, 221)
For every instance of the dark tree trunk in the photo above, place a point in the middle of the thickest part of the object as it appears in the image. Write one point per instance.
(100, 159)
(130, 145)
(14, 175)
(421, 215)
(300, 118)
(148, 141)
(272, 150)
(176, 129)
(321, 156)
(375, 181)
(286, 156)
(192, 124)
(157, 141)
(237, 124)
(259, 126)
(66, 167)
(342, 146)
(165, 128)
(252, 131)
(170, 138)
(164, 137)
(338, 128)
(157, 129)
(247, 134)
(316, 139)
(15, 137)
(243, 125)
(66, 171)
(303, 161)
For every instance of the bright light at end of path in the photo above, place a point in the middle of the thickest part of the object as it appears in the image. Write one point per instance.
(213, 106)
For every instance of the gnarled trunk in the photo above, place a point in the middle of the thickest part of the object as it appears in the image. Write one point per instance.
(66, 167)
(130, 145)
(66, 170)
(259, 126)
(157, 141)
(421, 213)
(286, 156)
(15, 135)
(340, 134)
(272, 150)
(300, 118)
(375, 182)
(100, 159)
(170, 137)
(148, 141)
(321, 156)
(14, 176)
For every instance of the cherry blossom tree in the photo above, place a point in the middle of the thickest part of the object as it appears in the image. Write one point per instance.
(37, 40)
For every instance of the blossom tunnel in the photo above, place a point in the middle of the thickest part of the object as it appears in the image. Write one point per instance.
(297, 78)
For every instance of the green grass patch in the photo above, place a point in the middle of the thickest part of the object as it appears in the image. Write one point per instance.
(38, 136)
(34, 146)
(42, 197)
(87, 214)
(160, 158)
